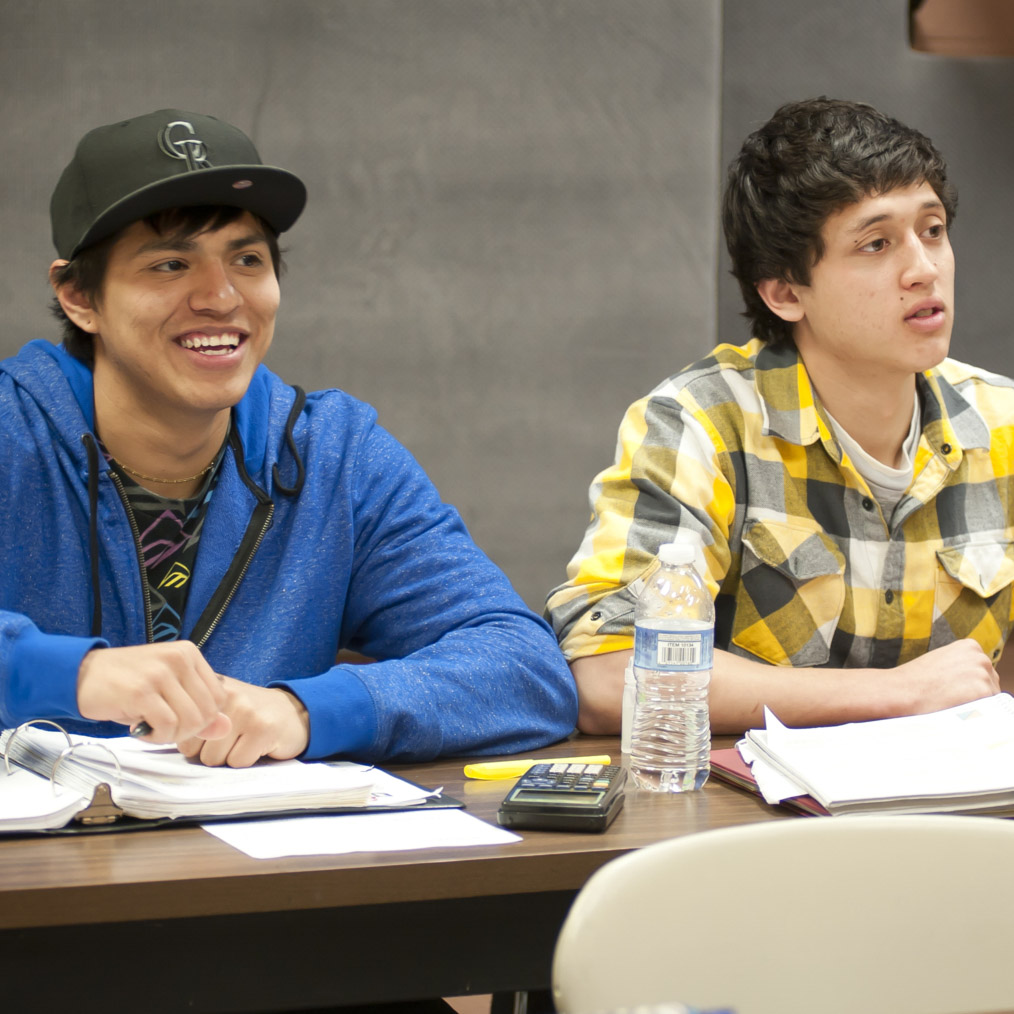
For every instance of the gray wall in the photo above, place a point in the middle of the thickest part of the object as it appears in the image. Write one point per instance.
(510, 233)
(776, 51)
(512, 222)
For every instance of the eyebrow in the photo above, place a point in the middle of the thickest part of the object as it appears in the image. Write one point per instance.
(874, 219)
(184, 244)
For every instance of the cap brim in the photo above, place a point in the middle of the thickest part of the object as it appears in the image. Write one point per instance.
(276, 195)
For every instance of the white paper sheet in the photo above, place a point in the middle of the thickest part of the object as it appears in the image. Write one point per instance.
(956, 759)
(366, 832)
(773, 784)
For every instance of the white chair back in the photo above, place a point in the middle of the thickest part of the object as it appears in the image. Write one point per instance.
(821, 915)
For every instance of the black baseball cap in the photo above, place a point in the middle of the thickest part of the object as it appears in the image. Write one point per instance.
(125, 171)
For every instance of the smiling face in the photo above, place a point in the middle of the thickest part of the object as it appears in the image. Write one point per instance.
(182, 322)
(880, 303)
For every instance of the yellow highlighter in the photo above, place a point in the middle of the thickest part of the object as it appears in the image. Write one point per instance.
(516, 768)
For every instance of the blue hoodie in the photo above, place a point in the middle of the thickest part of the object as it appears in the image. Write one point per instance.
(356, 552)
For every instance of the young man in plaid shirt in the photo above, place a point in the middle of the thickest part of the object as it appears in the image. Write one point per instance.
(848, 486)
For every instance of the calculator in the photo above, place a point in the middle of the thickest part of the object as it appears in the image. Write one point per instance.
(564, 797)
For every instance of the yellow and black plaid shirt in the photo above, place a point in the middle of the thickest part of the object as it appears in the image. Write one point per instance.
(804, 567)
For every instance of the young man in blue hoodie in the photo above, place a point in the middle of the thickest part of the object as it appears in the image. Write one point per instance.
(191, 542)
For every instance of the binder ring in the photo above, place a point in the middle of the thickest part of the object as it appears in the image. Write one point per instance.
(67, 751)
(26, 725)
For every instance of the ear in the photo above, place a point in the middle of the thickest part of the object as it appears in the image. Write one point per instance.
(75, 304)
(781, 299)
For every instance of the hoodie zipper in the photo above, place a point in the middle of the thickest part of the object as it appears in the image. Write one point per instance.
(266, 524)
(257, 526)
(148, 632)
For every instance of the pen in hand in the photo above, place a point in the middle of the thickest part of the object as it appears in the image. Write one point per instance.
(141, 729)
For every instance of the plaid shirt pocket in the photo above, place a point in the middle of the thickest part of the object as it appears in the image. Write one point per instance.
(973, 593)
(790, 594)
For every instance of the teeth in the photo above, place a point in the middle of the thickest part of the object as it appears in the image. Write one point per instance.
(929, 311)
(218, 344)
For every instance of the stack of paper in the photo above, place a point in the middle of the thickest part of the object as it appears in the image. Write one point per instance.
(958, 760)
(29, 803)
(152, 781)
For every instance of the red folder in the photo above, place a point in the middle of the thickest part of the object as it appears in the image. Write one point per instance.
(728, 766)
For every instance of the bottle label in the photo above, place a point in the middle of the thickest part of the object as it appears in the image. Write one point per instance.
(678, 650)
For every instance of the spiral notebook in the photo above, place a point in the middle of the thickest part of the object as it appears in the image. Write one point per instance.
(52, 781)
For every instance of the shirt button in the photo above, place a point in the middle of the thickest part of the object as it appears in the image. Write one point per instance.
(889, 596)
(867, 504)
(946, 448)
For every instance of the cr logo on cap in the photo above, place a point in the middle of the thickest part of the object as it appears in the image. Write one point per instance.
(176, 145)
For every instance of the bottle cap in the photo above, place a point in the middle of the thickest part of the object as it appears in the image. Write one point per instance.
(676, 553)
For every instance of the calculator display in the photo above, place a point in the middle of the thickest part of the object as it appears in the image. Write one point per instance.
(556, 798)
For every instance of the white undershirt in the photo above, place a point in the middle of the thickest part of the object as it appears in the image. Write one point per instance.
(887, 484)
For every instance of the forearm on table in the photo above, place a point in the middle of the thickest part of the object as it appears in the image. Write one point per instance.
(740, 689)
(599, 680)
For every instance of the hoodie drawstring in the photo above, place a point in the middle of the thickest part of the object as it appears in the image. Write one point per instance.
(290, 423)
(93, 530)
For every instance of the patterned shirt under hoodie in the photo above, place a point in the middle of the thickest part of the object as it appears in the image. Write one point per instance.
(168, 531)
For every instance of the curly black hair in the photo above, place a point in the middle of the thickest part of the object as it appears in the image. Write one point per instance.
(811, 159)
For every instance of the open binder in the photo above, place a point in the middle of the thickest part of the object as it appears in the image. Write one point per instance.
(55, 782)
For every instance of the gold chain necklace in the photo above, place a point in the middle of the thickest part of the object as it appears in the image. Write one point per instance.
(169, 482)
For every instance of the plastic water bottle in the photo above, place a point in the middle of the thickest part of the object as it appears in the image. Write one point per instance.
(674, 635)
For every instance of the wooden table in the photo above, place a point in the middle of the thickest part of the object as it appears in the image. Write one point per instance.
(173, 919)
